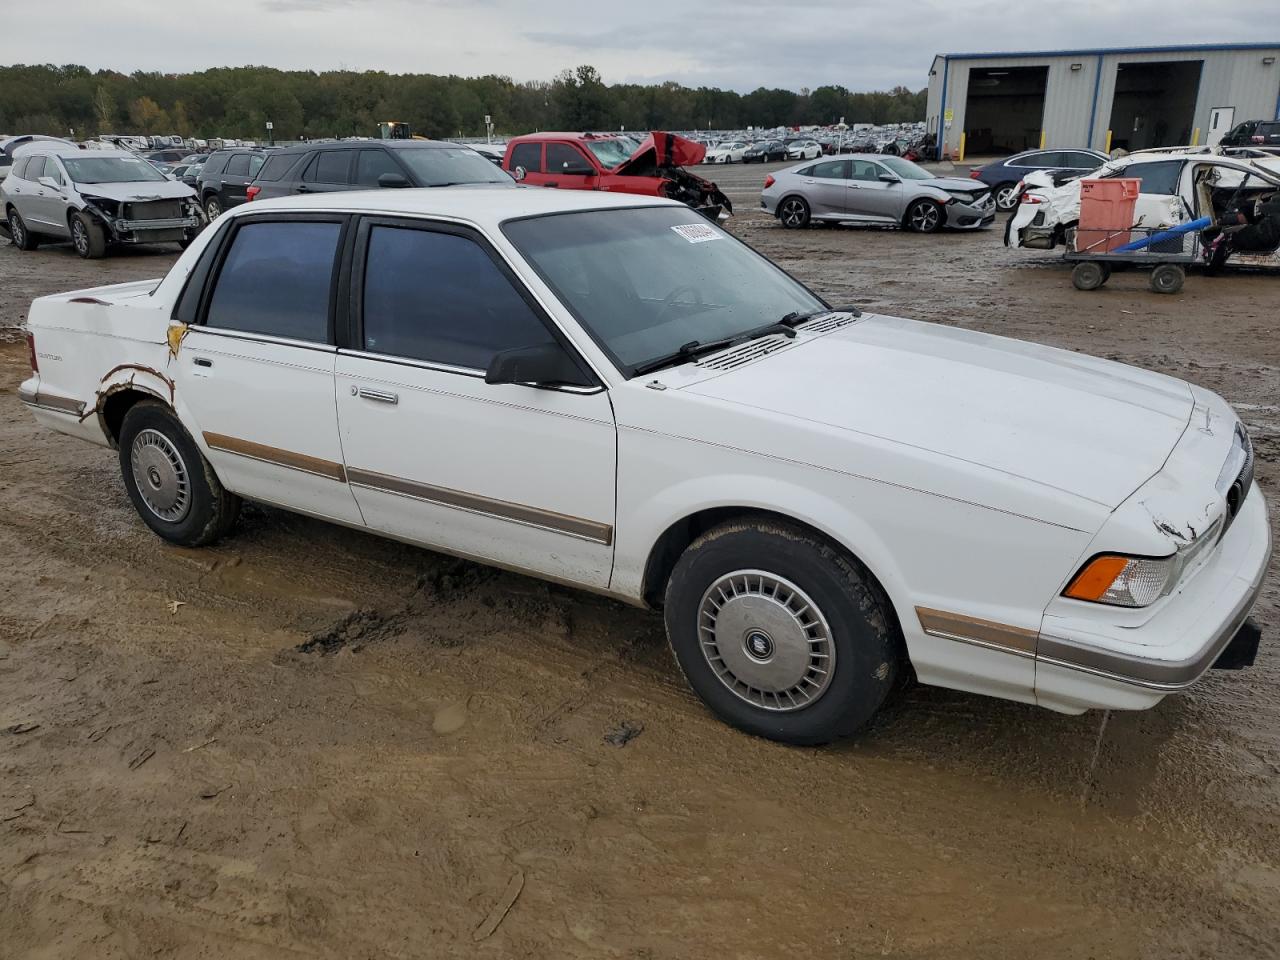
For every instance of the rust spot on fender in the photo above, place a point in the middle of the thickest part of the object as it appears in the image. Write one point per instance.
(142, 369)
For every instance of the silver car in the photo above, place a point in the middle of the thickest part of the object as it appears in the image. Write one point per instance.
(870, 188)
(91, 197)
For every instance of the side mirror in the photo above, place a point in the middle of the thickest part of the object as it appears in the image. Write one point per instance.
(544, 365)
(392, 180)
(49, 182)
(889, 178)
(519, 173)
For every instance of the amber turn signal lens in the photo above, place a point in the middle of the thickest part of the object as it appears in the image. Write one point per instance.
(1096, 579)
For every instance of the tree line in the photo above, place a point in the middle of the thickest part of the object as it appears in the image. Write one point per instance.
(238, 102)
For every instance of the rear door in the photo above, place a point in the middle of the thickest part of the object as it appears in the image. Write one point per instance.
(826, 186)
(528, 157)
(255, 370)
(515, 475)
(241, 169)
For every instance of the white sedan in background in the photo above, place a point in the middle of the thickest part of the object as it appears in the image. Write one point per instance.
(804, 150)
(729, 152)
(611, 392)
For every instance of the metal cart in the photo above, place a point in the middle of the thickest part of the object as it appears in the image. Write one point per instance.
(1164, 251)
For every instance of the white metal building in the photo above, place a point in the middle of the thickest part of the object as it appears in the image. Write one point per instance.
(1132, 98)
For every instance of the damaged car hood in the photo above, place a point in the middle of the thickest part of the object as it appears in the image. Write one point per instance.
(1089, 427)
(137, 192)
(661, 150)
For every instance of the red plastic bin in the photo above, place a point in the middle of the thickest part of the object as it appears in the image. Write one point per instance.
(1106, 213)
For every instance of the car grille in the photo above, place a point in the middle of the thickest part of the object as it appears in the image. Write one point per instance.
(1238, 491)
(969, 196)
(153, 210)
(738, 356)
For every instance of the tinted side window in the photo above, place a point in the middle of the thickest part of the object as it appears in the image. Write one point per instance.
(276, 166)
(255, 163)
(527, 155)
(331, 166)
(238, 165)
(438, 297)
(1269, 129)
(831, 170)
(35, 169)
(1053, 158)
(276, 280)
(1160, 177)
(558, 154)
(1082, 161)
(214, 164)
(866, 170)
(20, 168)
(371, 164)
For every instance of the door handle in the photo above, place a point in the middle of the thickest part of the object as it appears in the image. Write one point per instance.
(302, 188)
(381, 396)
(202, 362)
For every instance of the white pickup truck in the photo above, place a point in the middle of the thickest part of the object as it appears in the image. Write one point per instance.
(611, 392)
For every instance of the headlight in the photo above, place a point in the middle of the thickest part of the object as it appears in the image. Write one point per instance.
(110, 207)
(1124, 581)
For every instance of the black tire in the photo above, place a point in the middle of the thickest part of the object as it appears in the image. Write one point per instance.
(861, 637)
(212, 207)
(204, 512)
(1006, 196)
(23, 238)
(1167, 278)
(1089, 275)
(793, 213)
(923, 216)
(88, 237)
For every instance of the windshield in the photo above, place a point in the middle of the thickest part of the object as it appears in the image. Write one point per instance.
(644, 282)
(905, 168)
(441, 166)
(110, 169)
(612, 151)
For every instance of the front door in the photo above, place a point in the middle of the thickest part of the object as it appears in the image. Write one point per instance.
(514, 475)
(569, 168)
(327, 172)
(255, 372)
(1221, 120)
(871, 198)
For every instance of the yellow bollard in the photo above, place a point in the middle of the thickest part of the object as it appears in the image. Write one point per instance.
(1041, 139)
(1195, 138)
(961, 157)
(1107, 148)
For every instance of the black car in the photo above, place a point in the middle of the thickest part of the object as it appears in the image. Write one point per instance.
(225, 177)
(367, 165)
(164, 156)
(765, 151)
(1004, 175)
(1253, 133)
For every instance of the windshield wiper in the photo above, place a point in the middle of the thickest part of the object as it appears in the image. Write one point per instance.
(696, 348)
(795, 318)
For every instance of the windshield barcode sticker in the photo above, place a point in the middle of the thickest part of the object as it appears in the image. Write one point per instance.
(696, 232)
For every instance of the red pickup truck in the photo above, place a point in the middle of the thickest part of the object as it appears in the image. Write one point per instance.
(588, 161)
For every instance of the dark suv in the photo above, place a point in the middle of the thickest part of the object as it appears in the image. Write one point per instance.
(367, 165)
(1254, 133)
(225, 178)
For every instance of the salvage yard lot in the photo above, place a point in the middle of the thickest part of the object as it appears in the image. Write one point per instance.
(311, 740)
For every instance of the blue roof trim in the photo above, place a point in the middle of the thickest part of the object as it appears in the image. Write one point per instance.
(1103, 51)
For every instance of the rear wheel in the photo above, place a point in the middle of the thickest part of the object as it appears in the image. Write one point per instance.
(88, 237)
(1006, 196)
(212, 207)
(23, 238)
(794, 213)
(923, 216)
(171, 484)
(780, 633)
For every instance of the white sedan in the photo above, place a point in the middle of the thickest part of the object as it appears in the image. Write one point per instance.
(804, 150)
(730, 151)
(611, 392)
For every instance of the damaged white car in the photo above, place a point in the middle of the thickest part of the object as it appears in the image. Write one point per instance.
(1240, 195)
(92, 198)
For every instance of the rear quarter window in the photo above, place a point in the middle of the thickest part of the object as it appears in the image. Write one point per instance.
(527, 155)
(277, 166)
(1158, 178)
(238, 166)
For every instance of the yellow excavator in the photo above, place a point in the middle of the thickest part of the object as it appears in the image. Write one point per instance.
(397, 130)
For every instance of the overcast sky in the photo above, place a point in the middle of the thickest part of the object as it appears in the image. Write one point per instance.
(739, 44)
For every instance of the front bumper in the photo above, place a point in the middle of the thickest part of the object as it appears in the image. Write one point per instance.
(970, 216)
(172, 223)
(1082, 664)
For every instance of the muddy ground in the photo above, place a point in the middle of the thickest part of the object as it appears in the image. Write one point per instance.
(338, 746)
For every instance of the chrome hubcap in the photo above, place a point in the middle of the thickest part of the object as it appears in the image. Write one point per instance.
(924, 216)
(213, 210)
(160, 475)
(78, 235)
(766, 640)
(1004, 199)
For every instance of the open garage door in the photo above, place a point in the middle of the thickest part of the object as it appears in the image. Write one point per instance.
(1155, 104)
(1004, 110)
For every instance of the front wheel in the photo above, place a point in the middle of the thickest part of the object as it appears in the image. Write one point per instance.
(1089, 275)
(1167, 278)
(781, 634)
(171, 484)
(794, 213)
(212, 207)
(88, 237)
(1006, 196)
(924, 216)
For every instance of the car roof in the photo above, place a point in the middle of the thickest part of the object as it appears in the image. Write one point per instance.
(77, 153)
(358, 144)
(480, 205)
(579, 135)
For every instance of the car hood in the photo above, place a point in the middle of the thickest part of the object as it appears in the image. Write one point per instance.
(660, 149)
(144, 190)
(1089, 427)
(966, 184)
